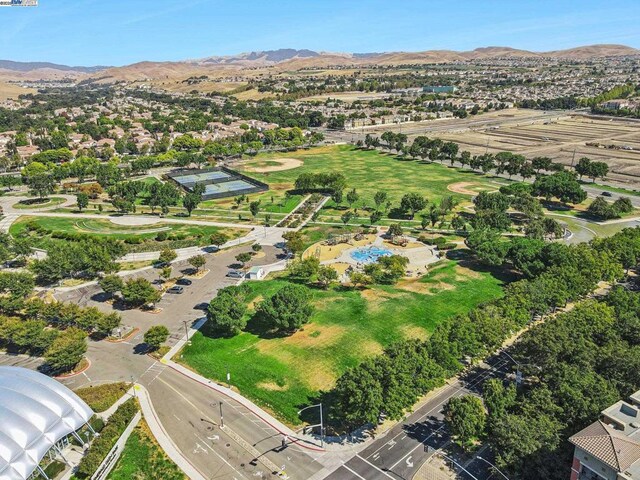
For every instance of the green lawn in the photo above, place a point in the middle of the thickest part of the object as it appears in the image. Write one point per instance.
(369, 171)
(281, 374)
(143, 459)
(181, 235)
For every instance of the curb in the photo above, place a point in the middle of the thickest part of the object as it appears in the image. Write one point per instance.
(69, 375)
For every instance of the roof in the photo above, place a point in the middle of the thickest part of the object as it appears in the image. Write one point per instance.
(35, 412)
(608, 445)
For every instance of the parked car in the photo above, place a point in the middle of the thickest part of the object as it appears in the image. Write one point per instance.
(607, 194)
(184, 281)
(235, 274)
(176, 289)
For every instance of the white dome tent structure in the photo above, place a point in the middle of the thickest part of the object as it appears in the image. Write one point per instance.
(37, 415)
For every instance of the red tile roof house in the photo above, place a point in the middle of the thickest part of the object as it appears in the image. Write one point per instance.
(609, 449)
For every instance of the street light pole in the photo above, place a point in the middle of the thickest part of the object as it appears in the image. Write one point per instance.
(221, 417)
(186, 331)
(497, 469)
(321, 421)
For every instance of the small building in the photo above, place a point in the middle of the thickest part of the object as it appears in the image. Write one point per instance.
(609, 449)
(256, 273)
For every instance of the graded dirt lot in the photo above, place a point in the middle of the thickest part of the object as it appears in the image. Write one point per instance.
(275, 165)
(565, 140)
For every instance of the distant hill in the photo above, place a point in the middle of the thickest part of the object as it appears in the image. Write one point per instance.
(30, 66)
(286, 59)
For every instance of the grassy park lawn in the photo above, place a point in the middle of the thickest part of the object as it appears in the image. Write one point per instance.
(283, 373)
(369, 171)
(145, 235)
(143, 459)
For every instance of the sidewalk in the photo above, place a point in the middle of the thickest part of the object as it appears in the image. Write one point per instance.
(308, 442)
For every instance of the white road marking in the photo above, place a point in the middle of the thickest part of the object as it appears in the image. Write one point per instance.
(381, 471)
(354, 472)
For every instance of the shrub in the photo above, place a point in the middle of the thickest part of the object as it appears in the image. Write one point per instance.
(108, 437)
(161, 237)
(101, 397)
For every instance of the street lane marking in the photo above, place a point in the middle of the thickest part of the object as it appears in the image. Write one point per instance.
(221, 458)
(204, 415)
(381, 471)
(484, 375)
(354, 472)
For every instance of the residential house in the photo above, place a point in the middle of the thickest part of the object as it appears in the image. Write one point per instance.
(609, 449)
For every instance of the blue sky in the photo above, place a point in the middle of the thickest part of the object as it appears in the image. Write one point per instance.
(119, 32)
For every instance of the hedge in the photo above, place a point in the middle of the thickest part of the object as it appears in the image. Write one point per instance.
(101, 446)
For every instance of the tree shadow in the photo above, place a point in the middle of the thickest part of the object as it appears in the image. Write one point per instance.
(257, 326)
(467, 259)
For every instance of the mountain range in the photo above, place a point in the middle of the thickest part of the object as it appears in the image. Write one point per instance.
(286, 59)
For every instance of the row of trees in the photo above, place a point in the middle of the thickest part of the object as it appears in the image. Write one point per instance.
(576, 364)
(391, 383)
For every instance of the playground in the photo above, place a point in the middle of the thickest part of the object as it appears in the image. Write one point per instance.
(347, 252)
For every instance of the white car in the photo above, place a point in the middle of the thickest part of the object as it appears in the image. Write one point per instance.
(235, 274)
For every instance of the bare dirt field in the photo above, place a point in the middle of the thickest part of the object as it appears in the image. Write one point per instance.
(275, 165)
(11, 91)
(564, 140)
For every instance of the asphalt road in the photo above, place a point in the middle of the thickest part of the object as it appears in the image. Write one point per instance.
(247, 447)
(402, 450)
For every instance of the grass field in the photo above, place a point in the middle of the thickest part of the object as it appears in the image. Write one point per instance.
(186, 234)
(282, 374)
(369, 171)
(143, 459)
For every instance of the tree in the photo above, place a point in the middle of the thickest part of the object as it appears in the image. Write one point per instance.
(623, 205)
(466, 418)
(167, 255)
(413, 203)
(294, 242)
(602, 209)
(562, 185)
(226, 312)
(327, 276)
(166, 272)
(346, 216)
(379, 199)
(352, 197)
(67, 350)
(82, 200)
(254, 208)
(111, 284)
(288, 309)
(395, 230)
(488, 246)
(359, 279)
(498, 398)
(197, 262)
(191, 201)
(541, 163)
(156, 336)
(243, 258)
(387, 270)
(375, 216)
(218, 239)
(583, 166)
(139, 291)
(41, 184)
